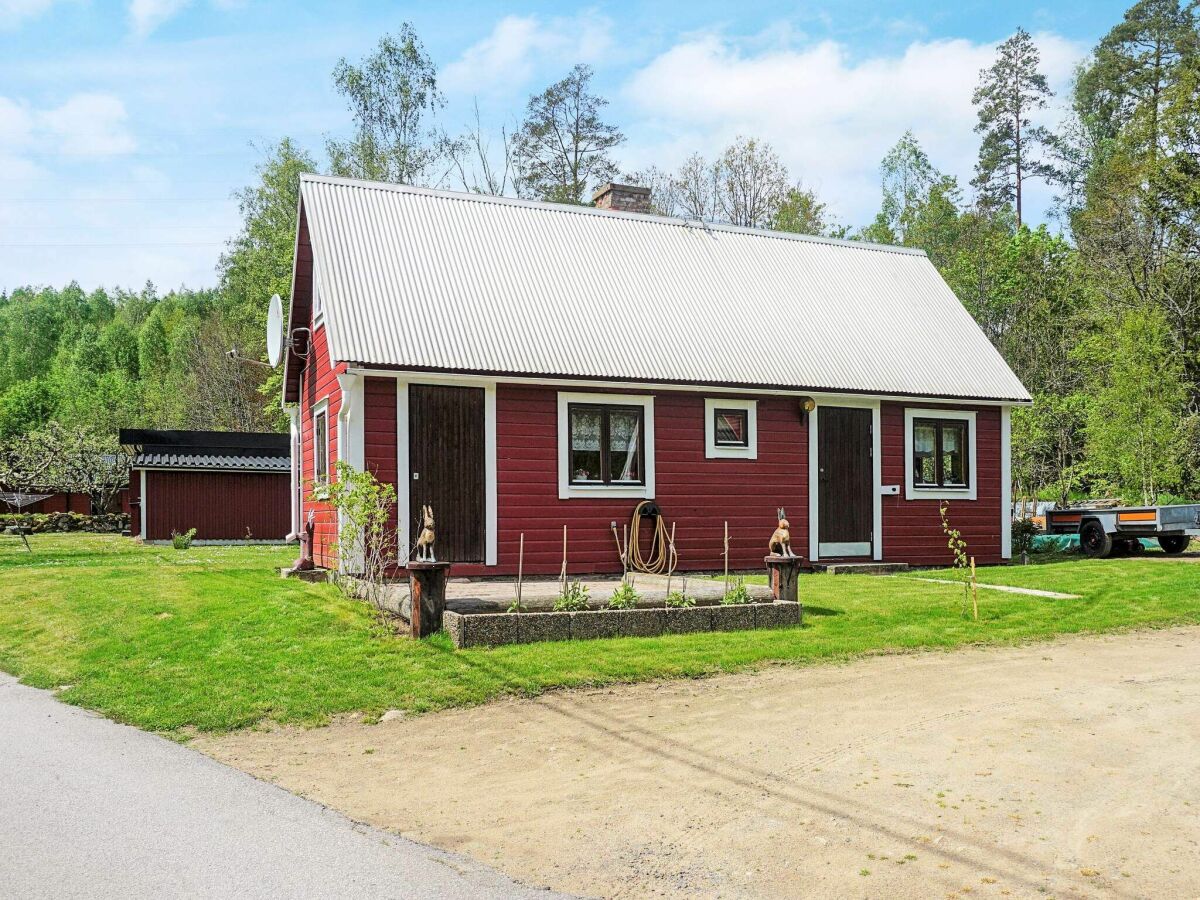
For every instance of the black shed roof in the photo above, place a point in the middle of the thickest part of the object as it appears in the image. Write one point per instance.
(233, 451)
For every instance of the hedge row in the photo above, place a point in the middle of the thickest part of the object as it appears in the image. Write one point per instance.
(41, 523)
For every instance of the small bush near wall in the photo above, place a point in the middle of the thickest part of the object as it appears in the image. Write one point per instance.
(41, 523)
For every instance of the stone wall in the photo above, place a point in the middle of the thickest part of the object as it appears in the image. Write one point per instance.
(41, 523)
(494, 629)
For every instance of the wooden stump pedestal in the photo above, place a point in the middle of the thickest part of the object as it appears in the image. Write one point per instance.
(784, 572)
(427, 593)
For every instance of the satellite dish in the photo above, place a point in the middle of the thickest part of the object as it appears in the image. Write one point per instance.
(275, 331)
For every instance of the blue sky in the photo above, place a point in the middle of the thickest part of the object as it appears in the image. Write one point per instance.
(125, 126)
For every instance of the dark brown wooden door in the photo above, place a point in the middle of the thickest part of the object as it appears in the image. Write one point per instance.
(446, 456)
(846, 509)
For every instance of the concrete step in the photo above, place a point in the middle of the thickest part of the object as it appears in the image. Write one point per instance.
(860, 568)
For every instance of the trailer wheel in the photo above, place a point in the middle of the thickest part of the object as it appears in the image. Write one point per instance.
(1094, 540)
(1173, 544)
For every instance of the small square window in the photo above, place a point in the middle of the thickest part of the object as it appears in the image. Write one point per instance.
(731, 427)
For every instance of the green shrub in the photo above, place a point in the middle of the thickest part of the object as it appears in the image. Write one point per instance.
(624, 597)
(679, 600)
(1023, 533)
(737, 594)
(573, 599)
(183, 541)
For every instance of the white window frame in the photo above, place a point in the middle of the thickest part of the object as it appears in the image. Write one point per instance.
(404, 465)
(713, 450)
(318, 304)
(321, 408)
(912, 491)
(814, 479)
(568, 491)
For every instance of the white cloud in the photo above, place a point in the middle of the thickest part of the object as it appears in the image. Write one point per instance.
(146, 15)
(517, 46)
(89, 124)
(16, 125)
(831, 117)
(14, 12)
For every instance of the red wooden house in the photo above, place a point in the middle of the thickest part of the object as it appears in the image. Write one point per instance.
(523, 366)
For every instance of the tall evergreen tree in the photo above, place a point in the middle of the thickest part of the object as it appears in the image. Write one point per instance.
(1013, 148)
(1133, 67)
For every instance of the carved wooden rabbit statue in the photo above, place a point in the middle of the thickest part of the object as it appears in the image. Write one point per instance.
(427, 536)
(781, 540)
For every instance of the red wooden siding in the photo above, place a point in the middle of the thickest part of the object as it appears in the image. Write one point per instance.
(62, 502)
(221, 506)
(912, 529)
(379, 427)
(317, 377)
(696, 493)
(75, 502)
(319, 382)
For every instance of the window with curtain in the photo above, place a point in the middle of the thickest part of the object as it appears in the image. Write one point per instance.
(606, 444)
(321, 447)
(939, 453)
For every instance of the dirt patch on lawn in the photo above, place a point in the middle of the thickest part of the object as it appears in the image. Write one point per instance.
(1066, 769)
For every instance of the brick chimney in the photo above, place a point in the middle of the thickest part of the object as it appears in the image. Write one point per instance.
(623, 198)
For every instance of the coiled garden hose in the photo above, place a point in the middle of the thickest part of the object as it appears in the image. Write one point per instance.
(663, 558)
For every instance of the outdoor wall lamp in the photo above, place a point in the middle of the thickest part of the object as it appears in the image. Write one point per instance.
(807, 405)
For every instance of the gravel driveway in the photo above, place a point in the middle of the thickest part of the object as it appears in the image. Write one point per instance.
(1069, 768)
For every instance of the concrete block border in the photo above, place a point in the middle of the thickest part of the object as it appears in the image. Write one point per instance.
(497, 629)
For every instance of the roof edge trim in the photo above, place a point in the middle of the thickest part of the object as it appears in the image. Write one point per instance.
(385, 370)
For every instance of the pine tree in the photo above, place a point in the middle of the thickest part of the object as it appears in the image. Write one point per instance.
(1012, 147)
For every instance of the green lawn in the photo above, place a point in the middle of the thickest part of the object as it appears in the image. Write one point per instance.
(211, 638)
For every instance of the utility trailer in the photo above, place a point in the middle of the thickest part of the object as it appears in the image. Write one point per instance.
(1102, 530)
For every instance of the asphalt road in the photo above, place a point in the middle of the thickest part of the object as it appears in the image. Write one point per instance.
(90, 808)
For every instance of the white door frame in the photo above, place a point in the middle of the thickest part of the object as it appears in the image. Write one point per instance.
(814, 500)
(404, 467)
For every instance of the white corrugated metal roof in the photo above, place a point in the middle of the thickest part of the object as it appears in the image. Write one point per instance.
(423, 279)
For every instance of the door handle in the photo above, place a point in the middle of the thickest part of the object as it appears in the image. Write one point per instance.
(416, 476)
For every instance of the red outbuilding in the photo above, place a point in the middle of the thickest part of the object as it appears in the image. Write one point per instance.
(230, 486)
(524, 366)
(47, 502)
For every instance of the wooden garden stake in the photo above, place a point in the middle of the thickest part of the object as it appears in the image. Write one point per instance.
(520, 570)
(974, 591)
(562, 578)
(671, 559)
(625, 553)
(727, 557)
